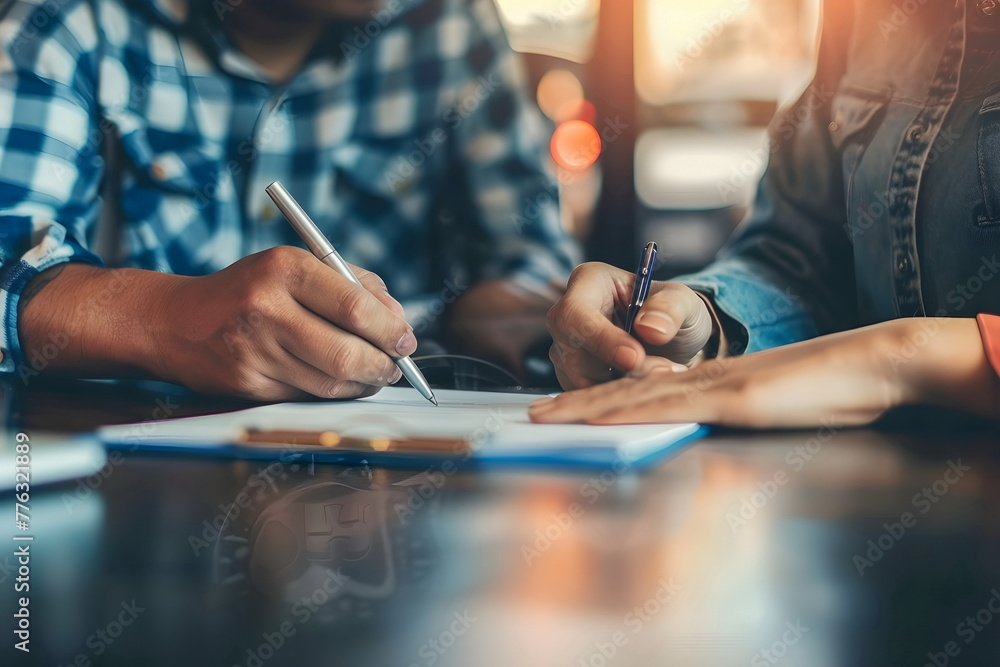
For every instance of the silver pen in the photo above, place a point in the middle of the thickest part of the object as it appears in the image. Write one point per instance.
(326, 253)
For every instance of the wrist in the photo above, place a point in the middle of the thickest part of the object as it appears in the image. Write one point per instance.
(158, 310)
(715, 347)
(942, 362)
(107, 318)
(148, 309)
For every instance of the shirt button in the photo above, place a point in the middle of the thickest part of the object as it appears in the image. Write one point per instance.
(916, 133)
(988, 7)
(902, 265)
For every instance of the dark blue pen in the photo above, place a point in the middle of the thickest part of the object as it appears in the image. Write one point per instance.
(643, 279)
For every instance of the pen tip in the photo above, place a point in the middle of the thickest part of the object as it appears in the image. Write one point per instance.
(434, 401)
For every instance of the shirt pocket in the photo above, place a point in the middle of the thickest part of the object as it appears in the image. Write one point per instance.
(855, 119)
(168, 173)
(988, 155)
(168, 170)
(172, 186)
(385, 169)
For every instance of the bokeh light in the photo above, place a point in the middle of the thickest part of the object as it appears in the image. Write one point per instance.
(560, 95)
(575, 145)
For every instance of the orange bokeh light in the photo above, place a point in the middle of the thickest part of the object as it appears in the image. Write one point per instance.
(575, 145)
(559, 92)
(577, 110)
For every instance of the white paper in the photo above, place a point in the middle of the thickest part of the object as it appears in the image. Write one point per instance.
(496, 423)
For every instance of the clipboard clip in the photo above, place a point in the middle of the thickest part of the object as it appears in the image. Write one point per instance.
(307, 439)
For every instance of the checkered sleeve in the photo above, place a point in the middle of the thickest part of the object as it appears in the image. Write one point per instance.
(501, 142)
(50, 164)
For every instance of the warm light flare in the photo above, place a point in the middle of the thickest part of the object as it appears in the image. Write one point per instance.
(576, 145)
(560, 95)
(723, 49)
(683, 26)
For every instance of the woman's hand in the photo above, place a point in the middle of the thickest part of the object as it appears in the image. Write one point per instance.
(587, 342)
(848, 378)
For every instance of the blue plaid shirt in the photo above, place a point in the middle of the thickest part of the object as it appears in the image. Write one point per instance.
(407, 137)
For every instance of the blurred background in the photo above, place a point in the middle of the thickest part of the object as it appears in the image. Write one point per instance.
(659, 110)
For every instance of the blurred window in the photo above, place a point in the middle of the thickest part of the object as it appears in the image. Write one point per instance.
(559, 28)
(723, 49)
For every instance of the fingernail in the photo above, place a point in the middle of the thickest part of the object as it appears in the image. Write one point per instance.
(407, 345)
(679, 368)
(656, 321)
(542, 404)
(625, 357)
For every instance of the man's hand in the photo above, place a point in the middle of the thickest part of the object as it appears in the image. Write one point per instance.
(273, 326)
(674, 323)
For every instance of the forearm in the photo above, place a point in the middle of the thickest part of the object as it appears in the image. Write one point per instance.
(103, 322)
(942, 362)
(498, 319)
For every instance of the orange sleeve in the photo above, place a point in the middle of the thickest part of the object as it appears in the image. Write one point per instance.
(989, 329)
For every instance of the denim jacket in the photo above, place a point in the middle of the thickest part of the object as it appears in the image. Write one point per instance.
(881, 199)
